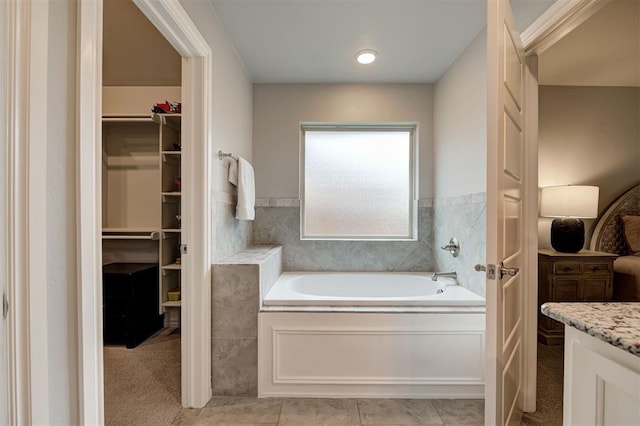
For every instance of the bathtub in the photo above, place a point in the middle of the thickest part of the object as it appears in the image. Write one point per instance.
(368, 289)
(370, 335)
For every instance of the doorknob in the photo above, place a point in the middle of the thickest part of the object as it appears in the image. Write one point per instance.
(507, 271)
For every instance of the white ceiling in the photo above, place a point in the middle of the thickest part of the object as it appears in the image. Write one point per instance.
(314, 41)
(272, 35)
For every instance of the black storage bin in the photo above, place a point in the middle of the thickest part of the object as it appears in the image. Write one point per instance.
(130, 302)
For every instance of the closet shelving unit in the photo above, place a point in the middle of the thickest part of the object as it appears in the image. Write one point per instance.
(142, 198)
(171, 201)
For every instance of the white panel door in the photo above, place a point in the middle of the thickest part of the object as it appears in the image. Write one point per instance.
(505, 196)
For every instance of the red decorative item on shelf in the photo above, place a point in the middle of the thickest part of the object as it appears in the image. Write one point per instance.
(167, 107)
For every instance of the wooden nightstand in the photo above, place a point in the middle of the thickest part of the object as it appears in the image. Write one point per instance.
(571, 277)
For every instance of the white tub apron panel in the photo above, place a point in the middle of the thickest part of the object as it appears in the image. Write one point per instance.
(398, 355)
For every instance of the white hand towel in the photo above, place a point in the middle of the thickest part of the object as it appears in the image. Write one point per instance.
(233, 172)
(245, 210)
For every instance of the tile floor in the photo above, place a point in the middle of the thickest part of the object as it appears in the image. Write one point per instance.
(344, 412)
(140, 391)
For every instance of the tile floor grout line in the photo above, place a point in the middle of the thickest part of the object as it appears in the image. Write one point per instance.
(280, 413)
(435, 407)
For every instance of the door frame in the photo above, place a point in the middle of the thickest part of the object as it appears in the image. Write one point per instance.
(555, 23)
(170, 18)
(25, 211)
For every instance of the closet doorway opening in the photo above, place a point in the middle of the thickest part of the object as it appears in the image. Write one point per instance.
(176, 26)
(141, 218)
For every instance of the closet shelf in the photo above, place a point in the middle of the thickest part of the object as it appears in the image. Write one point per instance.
(172, 304)
(171, 197)
(167, 119)
(173, 267)
(171, 157)
(170, 233)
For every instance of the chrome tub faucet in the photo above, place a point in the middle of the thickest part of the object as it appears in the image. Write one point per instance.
(436, 275)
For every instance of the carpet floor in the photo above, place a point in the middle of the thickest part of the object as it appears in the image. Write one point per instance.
(549, 387)
(142, 385)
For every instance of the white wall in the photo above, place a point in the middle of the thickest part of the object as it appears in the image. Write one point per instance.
(61, 224)
(136, 100)
(459, 155)
(603, 51)
(150, 59)
(231, 121)
(589, 136)
(232, 112)
(460, 124)
(279, 109)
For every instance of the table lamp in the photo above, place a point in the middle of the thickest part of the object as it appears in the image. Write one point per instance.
(569, 204)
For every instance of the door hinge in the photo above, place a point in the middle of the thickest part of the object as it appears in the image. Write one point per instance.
(183, 249)
(5, 306)
(489, 269)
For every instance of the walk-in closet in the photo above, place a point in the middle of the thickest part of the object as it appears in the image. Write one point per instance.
(141, 219)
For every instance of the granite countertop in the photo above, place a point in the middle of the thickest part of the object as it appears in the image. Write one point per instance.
(615, 323)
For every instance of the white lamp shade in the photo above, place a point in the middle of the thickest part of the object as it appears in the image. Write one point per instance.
(570, 201)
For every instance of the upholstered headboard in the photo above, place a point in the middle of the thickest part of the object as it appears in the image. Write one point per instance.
(607, 235)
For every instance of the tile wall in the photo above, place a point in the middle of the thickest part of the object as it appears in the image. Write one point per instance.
(278, 223)
(232, 235)
(235, 302)
(463, 217)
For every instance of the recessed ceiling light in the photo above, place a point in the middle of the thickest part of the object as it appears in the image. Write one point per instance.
(366, 57)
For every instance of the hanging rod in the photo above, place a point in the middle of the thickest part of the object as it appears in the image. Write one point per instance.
(133, 235)
(223, 155)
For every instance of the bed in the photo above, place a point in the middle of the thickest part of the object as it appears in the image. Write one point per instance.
(608, 236)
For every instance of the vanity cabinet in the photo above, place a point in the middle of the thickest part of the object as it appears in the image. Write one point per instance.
(601, 362)
(586, 276)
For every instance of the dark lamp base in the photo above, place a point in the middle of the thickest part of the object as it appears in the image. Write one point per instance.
(567, 235)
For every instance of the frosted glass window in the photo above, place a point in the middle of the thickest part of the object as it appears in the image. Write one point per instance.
(358, 183)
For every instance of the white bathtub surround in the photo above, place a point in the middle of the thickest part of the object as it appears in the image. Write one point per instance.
(238, 281)
(278, 223)
(463, 217)
(349, 335)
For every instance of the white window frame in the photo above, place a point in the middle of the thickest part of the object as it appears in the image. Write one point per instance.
(412, 128)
